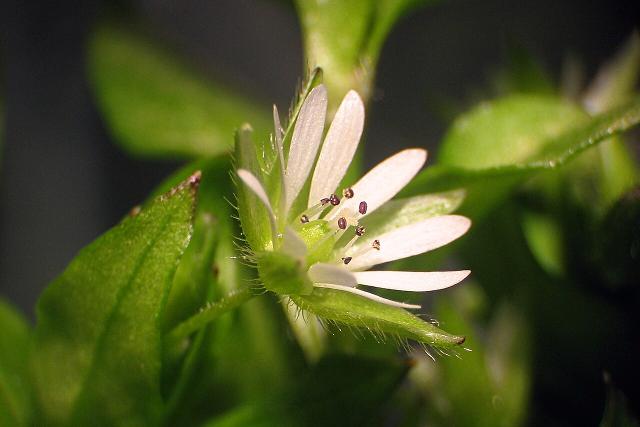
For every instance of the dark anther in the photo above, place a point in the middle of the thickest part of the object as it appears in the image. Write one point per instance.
(347, 259)
(334, 200)
(342, 223)
(347, 192)
(362, 207)
(324, 201)
(360, 230)
(376, 244)
(304, 219)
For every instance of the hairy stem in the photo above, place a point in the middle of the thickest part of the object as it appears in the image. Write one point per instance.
(208, 314)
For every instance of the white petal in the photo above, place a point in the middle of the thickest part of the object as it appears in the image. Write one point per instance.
(254, 185)
(383, 181)
(411, 240)
(339, 147)
(278, 136)
(304, 142)
(414, 281)
(293, 245)
(329, 273)
(366, 294)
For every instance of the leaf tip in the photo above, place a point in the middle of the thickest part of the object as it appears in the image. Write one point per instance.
(191, 183)
(194, 180)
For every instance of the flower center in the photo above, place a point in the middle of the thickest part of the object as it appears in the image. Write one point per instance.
(322, 237)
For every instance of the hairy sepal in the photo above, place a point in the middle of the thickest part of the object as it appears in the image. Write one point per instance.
(251, 211)
(283, 274)
(345, 308)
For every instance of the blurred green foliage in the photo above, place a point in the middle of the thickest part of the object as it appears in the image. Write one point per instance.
(345, 37)
(154, 105)
(15, 398)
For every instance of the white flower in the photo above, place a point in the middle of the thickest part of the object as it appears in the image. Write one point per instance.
(345, 266)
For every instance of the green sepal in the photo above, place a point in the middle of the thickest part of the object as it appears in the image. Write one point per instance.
(283, 274)
(353, 310)
(251, 211)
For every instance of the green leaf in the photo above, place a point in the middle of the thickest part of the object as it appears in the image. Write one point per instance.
(196, 277)
(488, 174)
(344, 38)
(352, 310)
(155, 106)
(15, 401)
(97, 356)
(508, 131)
(339, 390)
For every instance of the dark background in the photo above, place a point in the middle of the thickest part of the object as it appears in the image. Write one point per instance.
(63, 182)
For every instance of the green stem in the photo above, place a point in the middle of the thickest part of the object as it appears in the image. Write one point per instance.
(208, 314)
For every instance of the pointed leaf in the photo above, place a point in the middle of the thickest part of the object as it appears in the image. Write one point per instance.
(195, 276)
(97, 355)
(489, 179)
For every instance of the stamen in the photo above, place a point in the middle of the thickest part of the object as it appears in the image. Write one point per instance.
(347, 259)
(347, 192)
(342, 223)
(324, 201)
(375, 245)
(349, 244)
(362, 207)
(360, 230)
(313, 211)
(304, 219)
(335, 201)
